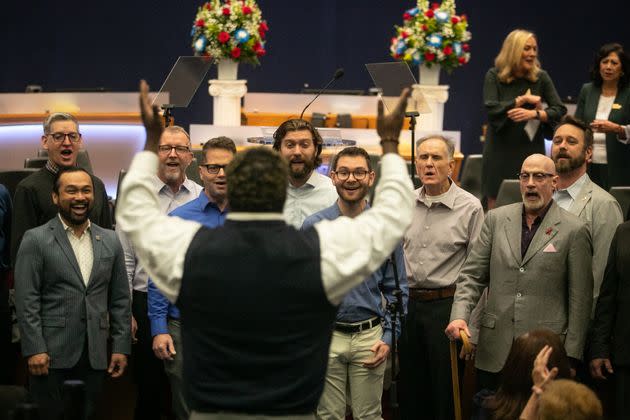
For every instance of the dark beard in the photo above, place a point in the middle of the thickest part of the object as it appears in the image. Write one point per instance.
(571, 165)
(71, 219)
(304, 172)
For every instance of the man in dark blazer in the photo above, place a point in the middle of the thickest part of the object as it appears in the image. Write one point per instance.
(71, 296)
(610, 335)
(535, 259)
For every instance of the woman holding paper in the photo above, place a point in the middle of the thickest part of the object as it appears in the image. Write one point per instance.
(604, 103)
(514, 92)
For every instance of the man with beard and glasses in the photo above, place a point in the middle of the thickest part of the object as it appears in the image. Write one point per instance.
(571, 150)
(72, 296)
(32, 205)
(362, 333)
(209, 209)
(535, 258)
(447, 220)
(308, 191)
(173, 189)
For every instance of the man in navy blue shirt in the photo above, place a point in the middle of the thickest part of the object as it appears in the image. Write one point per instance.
(362, 335)
(209, 209)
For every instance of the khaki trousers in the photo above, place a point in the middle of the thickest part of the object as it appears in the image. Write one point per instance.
(346, 374)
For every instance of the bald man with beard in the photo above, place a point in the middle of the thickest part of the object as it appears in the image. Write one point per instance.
(535, 258)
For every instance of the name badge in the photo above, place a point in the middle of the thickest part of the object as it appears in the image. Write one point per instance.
(616, 106)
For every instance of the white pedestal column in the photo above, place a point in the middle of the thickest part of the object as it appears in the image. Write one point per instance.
(227, 96)
(436, 97)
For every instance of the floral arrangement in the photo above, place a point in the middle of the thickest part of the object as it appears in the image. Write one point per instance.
(432, 35)
(230, 29)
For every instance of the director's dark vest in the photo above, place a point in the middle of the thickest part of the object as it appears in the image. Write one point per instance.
(256, 323)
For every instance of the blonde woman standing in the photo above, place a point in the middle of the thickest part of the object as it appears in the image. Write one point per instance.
(522, 105)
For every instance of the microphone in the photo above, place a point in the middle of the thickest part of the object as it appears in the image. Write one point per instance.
(338, 74)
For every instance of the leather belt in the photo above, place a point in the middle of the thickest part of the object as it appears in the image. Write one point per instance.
(424, 295)
(357, 327)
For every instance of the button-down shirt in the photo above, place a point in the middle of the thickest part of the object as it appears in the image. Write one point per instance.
(440, 237)
(168, 201)
(565, 198)
(316, 194)
(364, 301)
(527, 234)
(199, 210)
(82, 247)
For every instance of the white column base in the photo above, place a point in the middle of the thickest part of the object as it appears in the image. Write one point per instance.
(436, 97)
(227, 96)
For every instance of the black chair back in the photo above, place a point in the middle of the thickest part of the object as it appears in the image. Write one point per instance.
(35, 162)
(470, 179)
(509, 192)
(622, 195)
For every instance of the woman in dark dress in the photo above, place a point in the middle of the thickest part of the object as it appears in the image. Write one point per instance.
(605, 105)
(514, 92)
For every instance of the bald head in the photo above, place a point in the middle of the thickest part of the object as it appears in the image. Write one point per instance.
(538, 182)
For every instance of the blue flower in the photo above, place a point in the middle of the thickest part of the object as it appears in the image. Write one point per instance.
(200, 44)
(442, 16)
(417, 58)
(457, 47)
(241, 36)
(192, 31)
(435, 40)
(413, 11)
(401, 47)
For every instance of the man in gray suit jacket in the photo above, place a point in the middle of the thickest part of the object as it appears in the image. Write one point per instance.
(71, 296)
(535, 259)
(571, 149)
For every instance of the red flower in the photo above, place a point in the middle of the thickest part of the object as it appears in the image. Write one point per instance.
(435, 6)
(454, 20)
(236, 52)
(429, 13)
(404, 34)
(462, 60)
(448, 50)
(397, 55)
(548, 231)
(464, 18)
(425, 28)
(199, 23)
(394, 40)
(226, 11)
(208, 6)
(429, 56)
(406, 16)
(247, 10)
(263, 26)
(223, 37)
(260, 52)
(466, 47)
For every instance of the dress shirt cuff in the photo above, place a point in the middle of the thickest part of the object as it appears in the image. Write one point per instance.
(159, 326)
(626, 129)
(387, 337)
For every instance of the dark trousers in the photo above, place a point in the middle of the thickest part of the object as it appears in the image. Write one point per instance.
(148, 370)
(622, 392)
(488, 380)
(426, 391)
(47, 391)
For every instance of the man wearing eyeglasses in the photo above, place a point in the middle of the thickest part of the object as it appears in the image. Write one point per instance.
(33, 205)
(308, 191)
(535, 258)
(209, 209)
(362, 333)
(173, 189)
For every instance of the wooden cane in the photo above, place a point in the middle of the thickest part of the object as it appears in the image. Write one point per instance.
(455, 373)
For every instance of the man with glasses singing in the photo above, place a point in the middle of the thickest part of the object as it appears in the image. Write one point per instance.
(362, 333)
(535, 258)
(173, 189)
(209, 209)
(32, 204)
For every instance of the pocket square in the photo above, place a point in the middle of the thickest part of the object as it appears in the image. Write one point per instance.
(550, 248)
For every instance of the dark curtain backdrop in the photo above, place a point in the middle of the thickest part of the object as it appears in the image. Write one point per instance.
(83, 44)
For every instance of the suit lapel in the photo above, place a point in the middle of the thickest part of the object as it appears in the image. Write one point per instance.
(583, 197)
(62, 239)
(591, 103)
(97, 247)
(545, 233)
(513, 231)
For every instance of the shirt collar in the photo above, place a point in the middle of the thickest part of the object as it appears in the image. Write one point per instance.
(203, 201)
(576, 187)
(448, 200)
(52, 167)
(68, 228)
(313, 181)
(159, 185)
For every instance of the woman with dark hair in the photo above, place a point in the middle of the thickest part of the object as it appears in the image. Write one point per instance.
(604, 103)
(516, 381)
(514, 91)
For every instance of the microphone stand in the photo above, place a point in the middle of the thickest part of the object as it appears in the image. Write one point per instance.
(168, 114)
(412, 127)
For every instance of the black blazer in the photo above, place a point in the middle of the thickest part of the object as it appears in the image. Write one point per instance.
(611, 330)
(617, 153)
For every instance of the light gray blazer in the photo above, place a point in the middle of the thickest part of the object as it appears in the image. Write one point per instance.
(550, 287)
(56, 310)
(602, 214)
